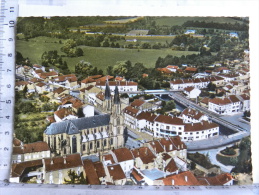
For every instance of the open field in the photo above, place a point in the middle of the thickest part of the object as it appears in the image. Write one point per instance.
(101, 57)
(171, 21)
(34, 48)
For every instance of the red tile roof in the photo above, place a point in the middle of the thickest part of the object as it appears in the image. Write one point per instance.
(66, 162)
(18, 169)
(144, 154)
(233, 98)
(157, 147)
(164, 70)
(59, 90)
(40, 84)
(116, 172)
(117, 78)
(118, 83)
(63, 112)
(205, 100)
(99, 169)
(195, 114)
(137, 103)
(123, 154)
(47, 74)
(169, 120)
(217, 180)
(136, 175)
(31, 147)
(19, 83)
(178, 81)
(100, 96)
(185, 178)
(35, 80)
(171, 166)
(188, 89)
(105, 78)
(166, 156)
(245, 97)
(204, 125)
(108, 157)
(148, 116)
(220, 101)
(131, 111)
(173, 67)
(91, 173)
(191, 69)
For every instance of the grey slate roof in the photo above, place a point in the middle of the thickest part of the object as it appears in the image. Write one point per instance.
(74, 126)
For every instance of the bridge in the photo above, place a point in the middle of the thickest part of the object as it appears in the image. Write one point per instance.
(212, 115)
(154, 92)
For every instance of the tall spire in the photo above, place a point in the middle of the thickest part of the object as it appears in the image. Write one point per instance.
(107, 93)
(116, 95)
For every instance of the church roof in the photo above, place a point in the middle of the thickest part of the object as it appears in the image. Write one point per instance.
(74, 126)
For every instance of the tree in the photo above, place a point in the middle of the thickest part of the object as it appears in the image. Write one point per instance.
(26, 107)
(109, 70)
(211, 86)
(79, 52)
(74, 178)
(169, 105)
(192, 165)
(106, 43)
(123, 68)
(68, 45)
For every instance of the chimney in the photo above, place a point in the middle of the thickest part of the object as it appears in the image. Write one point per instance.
(65, 159)
(182, 145)
(146, 151)
(186, 178)
(51, 161)
(171, 147)
(172, 182)
(192, 123)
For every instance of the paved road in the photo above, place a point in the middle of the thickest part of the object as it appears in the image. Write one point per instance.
(213, 116)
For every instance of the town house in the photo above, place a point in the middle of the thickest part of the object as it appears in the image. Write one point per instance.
(56, 169)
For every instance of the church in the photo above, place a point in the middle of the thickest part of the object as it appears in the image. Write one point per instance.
(89, 135)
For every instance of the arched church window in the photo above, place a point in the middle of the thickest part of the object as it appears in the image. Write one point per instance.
(74, 144)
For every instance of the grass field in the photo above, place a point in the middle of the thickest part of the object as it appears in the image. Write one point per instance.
(171, 21)
(34, 48)
(100, 57)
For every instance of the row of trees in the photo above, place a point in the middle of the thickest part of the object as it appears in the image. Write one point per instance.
(226, 26)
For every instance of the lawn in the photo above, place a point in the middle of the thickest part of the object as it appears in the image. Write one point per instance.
(100, 57)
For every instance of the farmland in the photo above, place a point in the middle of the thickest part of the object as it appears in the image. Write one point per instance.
(100, 57)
